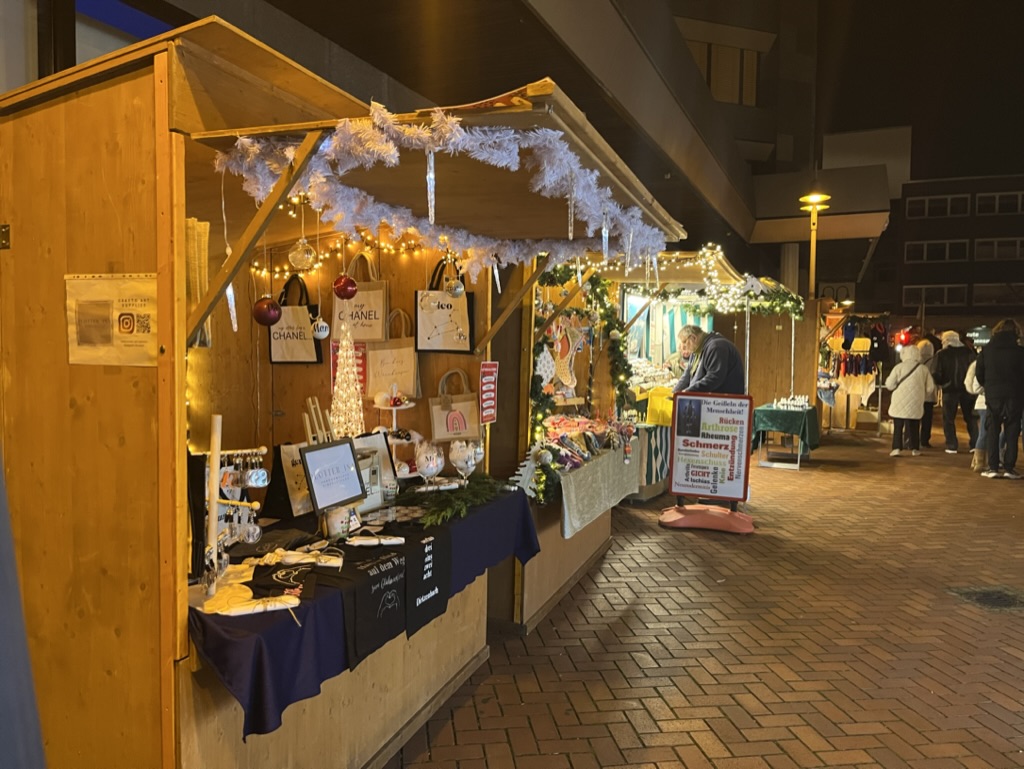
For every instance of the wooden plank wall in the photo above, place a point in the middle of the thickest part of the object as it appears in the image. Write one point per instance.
(80, 442)
(770, 349)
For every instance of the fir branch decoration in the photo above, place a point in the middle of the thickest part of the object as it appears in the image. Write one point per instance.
(443, 506)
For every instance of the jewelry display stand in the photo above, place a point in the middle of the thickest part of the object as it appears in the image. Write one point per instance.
(394, 412)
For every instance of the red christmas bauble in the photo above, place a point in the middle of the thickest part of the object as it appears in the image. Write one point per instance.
(266, 311)
(345, 287)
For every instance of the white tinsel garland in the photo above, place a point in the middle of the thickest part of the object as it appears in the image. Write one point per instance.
(557, 173)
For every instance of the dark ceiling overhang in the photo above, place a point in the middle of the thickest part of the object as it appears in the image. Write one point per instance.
(858, 208)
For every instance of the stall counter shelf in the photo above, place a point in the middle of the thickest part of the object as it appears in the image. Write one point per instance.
(520, 596)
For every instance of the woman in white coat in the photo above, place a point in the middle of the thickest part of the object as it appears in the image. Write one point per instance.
(911, 385)
(980, 461)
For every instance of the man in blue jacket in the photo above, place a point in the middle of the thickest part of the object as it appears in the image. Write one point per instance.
(713, 366)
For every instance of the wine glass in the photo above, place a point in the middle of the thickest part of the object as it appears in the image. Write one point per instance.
(464, 456)
(429, 460)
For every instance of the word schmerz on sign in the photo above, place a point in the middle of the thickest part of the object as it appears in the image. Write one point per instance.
(710, 454)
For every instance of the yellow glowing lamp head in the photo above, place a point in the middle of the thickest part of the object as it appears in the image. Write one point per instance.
(814, 201)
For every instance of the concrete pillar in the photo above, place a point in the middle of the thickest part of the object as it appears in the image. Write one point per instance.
(789, 267)
(18, 49)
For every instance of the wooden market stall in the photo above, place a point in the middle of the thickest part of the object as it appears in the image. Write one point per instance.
(101, 167)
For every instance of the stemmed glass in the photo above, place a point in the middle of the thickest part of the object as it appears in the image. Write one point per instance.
(464, 456)
(429, 461)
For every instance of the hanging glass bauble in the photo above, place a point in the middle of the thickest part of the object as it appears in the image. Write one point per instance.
(615, 335)
(345, 287)
(266, 311)
(595, 316)
(455, 288)
(544, 457)
(302, 255)
(321, 329)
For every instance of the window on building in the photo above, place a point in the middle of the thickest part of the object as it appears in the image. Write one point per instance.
(1008, 203)
(952, 295)
(998, 249)
(938, 206)
(990, 203)
(959, 205)
(998, 294)
(935, 251)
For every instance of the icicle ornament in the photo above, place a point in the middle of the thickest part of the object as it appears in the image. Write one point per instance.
(572, 205)
(229, 292)
(604, 236)
(430, 186)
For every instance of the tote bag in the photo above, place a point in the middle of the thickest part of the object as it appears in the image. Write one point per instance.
(366, 313)
(394, 361)
(455, 417)
(444, 323)
(291, 338)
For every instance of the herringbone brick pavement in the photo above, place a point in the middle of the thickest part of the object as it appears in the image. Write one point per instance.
(829, 637)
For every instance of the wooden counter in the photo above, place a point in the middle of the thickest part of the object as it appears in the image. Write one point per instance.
(361, 718)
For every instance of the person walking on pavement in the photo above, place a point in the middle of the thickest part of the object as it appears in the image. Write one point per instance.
(979, 461)
(1000, 371)
(911, 384)
(950, 371)
(928, 361)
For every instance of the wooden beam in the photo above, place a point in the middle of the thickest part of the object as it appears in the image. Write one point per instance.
(640, 312)
(513, 302)
(253, 231)
(565, 303)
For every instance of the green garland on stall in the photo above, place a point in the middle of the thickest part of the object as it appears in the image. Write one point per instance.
(443, 506)
(597, 291)
(774, 300)
(542, 405)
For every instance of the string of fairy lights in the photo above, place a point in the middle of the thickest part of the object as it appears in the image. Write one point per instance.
(274, 261)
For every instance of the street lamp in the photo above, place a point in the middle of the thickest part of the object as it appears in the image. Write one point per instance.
(814, 202)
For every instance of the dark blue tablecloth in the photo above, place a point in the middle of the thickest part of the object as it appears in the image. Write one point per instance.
(268, 662)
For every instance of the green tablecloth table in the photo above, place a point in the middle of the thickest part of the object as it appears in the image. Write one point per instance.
(802, 423)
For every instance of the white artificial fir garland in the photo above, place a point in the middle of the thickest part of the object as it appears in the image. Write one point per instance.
(365, 142)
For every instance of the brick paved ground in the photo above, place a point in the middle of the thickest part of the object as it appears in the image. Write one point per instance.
(829, 637)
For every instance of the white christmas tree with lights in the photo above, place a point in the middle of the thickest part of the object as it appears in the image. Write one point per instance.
(347, 401)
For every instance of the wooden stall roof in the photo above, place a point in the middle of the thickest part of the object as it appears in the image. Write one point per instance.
(205, 45)
(210, 58)
(479, 198)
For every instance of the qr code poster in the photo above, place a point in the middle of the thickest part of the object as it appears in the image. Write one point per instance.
(111, 319)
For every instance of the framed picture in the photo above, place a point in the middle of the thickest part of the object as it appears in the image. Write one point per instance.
(332, 474)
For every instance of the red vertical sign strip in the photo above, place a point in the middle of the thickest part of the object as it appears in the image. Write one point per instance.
(488, 392)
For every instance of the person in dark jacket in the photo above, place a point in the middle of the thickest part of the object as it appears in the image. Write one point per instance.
(714, 364)
(1000, 370)
(950, 371)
